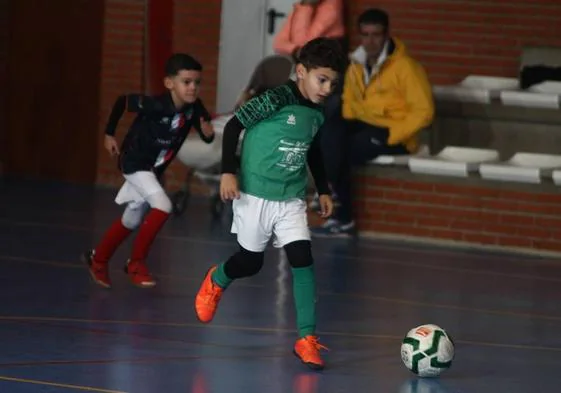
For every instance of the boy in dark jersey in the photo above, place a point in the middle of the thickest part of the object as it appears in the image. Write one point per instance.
(281, 137)
(156, 134)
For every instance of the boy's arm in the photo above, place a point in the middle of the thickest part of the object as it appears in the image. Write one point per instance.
(131, 103)
(315, 163)
(202, 122)
(116, 112)
(263, 106)
(252, 112)
(230, 140)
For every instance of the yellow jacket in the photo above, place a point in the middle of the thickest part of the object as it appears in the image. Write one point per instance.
(398, 97)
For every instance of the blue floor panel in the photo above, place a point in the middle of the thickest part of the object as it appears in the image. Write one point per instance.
(61, 333)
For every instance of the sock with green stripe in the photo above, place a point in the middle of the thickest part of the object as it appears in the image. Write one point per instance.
(220, 277)
(304, 290)
(242, 264)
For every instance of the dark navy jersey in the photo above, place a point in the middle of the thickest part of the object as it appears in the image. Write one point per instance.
(157, 132)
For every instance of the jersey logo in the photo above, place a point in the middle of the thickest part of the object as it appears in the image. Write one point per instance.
(177, 122)
(293, 155)
(291, 120)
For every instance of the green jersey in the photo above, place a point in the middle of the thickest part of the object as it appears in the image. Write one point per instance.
(280, 126)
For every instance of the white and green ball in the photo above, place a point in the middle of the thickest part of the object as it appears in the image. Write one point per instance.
(427, 350)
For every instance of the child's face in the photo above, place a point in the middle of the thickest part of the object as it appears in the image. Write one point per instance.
(184, 86)
(316, 84)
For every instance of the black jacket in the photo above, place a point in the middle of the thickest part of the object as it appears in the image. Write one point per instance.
(156, 134)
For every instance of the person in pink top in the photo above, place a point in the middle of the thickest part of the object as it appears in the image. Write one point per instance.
(310, 19)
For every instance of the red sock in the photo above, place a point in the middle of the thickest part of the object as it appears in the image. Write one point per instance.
(152, 224)
(115, 235)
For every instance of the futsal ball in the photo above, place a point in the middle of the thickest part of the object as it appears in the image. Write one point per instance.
(427, 350)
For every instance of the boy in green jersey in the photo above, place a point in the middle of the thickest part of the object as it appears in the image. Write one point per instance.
(269, 192)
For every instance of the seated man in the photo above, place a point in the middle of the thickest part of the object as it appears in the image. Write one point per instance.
(387, 100)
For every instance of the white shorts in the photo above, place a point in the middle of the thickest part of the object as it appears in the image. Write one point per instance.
(137, 187)
(256, 220)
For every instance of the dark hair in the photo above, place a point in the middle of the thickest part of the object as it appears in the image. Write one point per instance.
(374, 16)
(181, 61)
(323, 52)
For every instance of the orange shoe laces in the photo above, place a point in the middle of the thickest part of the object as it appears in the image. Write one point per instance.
(212, 295)
(314, 342)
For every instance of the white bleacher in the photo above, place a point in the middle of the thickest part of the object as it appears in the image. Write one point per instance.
(476, 88)
(547, 87)
(453, 161)
(400, 159)
(530, 99)
(484, 89)
(543, 95)
(556, 176)
(522, 168)
(489, 82)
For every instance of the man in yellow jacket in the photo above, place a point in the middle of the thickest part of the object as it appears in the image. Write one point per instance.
(387, 101)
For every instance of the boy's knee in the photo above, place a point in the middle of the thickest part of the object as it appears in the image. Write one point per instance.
(299, 253)
(251, 262)
(131, 221)
(244, 263)
(132, 216)
(160, 201)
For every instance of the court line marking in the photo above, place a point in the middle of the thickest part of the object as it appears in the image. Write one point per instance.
(106, 332)
(514, 314)
(506, 257)
(267, 330)
(64, 362)
(58, 385)
(381, 261)
(388, 261)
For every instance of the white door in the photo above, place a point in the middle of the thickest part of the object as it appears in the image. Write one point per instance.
(245, 38)
(277, 12)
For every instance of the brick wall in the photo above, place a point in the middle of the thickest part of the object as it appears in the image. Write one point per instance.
(477, 212)
(455, 38)
(452, 39)
(122, 71)
(196, 30)
(3, 58)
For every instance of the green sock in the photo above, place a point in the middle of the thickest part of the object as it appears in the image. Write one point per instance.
(220, 278)
(304, 289)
